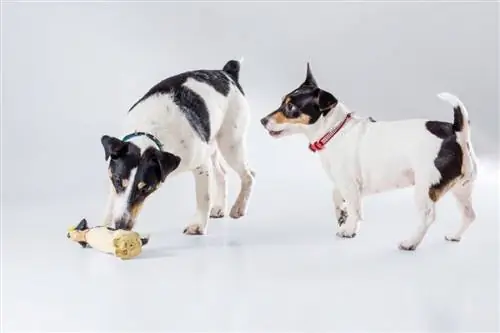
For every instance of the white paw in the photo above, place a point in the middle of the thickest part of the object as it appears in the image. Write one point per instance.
(194, 229)
(217, 212)
(345, 234)
(407, 246)
(347, 231)
(238, 211)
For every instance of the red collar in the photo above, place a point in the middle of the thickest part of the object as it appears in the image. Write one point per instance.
(319, 144)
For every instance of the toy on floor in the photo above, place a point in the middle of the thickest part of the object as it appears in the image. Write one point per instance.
(124, 244)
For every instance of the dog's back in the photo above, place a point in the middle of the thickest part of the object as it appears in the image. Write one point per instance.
(188, 110)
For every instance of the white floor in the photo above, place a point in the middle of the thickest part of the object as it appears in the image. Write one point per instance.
(279, 269)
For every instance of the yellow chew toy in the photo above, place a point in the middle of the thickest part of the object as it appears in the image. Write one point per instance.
(124, 244)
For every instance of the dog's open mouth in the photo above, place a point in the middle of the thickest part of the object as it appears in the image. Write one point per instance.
(275, 133)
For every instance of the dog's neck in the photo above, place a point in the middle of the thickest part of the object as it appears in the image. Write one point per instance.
(326, 123)
(142, 142)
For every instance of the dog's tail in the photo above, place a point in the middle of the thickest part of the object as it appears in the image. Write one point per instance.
(232, 68)
(461, 125)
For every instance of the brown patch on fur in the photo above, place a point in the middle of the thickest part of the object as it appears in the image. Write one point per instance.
(437, 191)
(134, 211)
(280, 118)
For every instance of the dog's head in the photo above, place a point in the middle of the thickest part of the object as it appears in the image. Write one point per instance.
(134, 175)
(300, 108)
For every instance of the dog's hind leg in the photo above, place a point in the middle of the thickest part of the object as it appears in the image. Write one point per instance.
(203, 184)
(220, 189)
(232, 143)
(463, 195)
(427, 212)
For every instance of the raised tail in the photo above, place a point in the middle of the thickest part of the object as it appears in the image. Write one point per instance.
(232, 68)
(461, 125)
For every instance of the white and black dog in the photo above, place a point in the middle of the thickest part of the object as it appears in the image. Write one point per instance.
(362, 156)
(188, 122)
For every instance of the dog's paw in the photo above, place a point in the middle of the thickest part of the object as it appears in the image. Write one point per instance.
(345, 234)
(407, 246)
(237, 211)
(194, 229)
(452, 239)
(217, 212)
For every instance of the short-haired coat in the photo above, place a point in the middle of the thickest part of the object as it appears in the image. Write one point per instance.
(362, 156)
(189, 122)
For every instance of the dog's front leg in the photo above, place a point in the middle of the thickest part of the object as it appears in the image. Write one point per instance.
(108, 210)
(352, 198)
(204, 184)
(340, 210)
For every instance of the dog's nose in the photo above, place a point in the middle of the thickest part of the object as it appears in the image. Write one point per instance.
(264, 121)
(122, 224)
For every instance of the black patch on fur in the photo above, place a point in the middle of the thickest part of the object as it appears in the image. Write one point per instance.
(343, 217)
(144, 241)
(458, 119)
(372, 120)
(125, 156)
(153, 169)
(307, 99)
(450, 156)
(441, 129)
(153, 166)
(195, 110)
(192, 104)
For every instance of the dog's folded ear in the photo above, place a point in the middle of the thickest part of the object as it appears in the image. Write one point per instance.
(166, 161)
(325, 100)
(113, 147)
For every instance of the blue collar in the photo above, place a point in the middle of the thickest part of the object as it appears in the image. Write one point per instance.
(150, 136)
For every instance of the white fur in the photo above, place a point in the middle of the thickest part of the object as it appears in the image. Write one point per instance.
(366, 158)
(229, 117)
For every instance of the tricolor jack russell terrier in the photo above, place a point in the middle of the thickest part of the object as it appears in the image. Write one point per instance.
(187, 122)
(362, 156)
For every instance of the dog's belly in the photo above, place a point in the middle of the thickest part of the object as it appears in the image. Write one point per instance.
(374, 183)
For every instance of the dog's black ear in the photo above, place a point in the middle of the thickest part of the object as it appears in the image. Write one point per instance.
(310, 80)
(325, 100)
(113, 147)
(167, 162)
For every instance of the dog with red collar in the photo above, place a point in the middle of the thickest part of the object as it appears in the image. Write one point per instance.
(363, 157)
(190, 122)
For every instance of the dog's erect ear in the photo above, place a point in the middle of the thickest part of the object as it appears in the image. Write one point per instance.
(113, 147)
(310, 81)
(167, 162)
(325, 100)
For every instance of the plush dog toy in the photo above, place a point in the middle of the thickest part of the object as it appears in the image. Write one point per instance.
(124, 244)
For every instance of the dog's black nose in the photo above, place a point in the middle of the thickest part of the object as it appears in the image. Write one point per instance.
(264, 121)
(122, 224)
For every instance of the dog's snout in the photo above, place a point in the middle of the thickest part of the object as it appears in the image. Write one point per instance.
(264, 121)
(123, 224)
